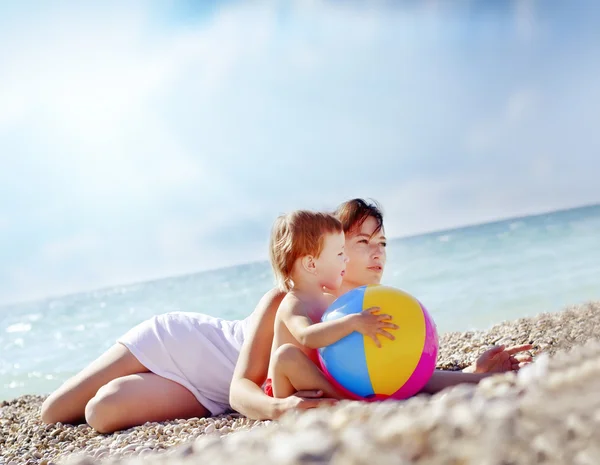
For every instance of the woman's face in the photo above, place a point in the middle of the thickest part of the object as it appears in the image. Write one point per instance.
(365, 250)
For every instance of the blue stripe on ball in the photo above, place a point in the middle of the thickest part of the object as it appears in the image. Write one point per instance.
(345, 360)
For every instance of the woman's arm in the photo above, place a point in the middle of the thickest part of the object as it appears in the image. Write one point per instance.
(498, 359)
(246, 395)
(442, 379)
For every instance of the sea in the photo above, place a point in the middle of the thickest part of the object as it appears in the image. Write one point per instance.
(468, 278)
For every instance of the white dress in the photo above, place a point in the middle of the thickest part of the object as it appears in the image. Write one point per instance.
(195, 350)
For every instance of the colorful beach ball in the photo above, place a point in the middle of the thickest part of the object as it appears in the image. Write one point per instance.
(398, 369)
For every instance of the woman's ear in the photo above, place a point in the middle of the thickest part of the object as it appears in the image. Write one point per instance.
(309, 264)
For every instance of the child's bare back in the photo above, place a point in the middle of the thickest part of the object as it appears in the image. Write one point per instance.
(296, 304)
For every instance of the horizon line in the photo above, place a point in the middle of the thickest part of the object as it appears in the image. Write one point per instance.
(4, 305)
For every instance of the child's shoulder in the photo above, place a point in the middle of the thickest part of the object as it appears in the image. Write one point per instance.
(291, 298)
(292, 301)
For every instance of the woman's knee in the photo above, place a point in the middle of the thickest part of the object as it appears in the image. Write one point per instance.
(50, 411)
(103, 409)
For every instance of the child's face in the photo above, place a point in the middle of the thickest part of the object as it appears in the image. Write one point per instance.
(331, 264)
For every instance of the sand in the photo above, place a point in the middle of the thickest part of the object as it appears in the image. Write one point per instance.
(547, 413)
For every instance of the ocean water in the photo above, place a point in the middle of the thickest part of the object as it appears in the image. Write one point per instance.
(468, 278)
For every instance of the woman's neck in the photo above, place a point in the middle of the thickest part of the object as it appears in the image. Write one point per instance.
(345, 287)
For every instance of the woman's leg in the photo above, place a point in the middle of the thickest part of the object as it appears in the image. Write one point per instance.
(116, 391)
(135, 399)
(67, 404)
(293, 371)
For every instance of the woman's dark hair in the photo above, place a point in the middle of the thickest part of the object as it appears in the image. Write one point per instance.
(353, 213)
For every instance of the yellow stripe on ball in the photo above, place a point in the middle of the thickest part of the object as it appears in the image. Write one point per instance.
(400, 356)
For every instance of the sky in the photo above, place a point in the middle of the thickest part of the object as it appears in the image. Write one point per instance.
(140, 140)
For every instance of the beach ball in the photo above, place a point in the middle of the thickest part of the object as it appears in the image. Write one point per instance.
(398, 369)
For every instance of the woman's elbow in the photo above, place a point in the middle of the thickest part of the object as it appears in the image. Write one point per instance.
(233, 397)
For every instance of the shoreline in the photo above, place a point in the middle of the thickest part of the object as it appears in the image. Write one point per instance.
(514, 410)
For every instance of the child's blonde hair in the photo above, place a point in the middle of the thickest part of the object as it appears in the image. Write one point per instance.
(296, 235)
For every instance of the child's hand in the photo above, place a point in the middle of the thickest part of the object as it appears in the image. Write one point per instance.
(369, 323)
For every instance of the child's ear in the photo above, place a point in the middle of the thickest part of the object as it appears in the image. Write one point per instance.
(309, 264)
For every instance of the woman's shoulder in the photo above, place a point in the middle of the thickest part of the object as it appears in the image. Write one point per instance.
(270, 301)
(275, 295)
(265, 312)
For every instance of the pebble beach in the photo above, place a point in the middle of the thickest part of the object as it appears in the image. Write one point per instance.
(547, 413)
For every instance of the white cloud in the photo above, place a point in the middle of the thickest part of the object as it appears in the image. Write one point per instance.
(432, 204)
(496, 125)
(66, 249)
(525, 20)
(521, 105)
(94, 105)
(543, 168)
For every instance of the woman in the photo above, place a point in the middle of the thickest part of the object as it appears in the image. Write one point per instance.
(180, 365)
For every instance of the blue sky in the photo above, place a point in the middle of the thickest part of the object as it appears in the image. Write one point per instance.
(145, 139)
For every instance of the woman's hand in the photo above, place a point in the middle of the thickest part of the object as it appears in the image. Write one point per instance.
(304, 400)
(499, 359)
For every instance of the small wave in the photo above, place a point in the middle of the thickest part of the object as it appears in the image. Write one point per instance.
(444, 238)
(14, 385)
(516, 225)
(19, 328)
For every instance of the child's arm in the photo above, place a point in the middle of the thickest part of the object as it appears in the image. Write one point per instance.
(319, 335)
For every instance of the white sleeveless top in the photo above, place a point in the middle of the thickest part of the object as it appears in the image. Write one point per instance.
(195, 350)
